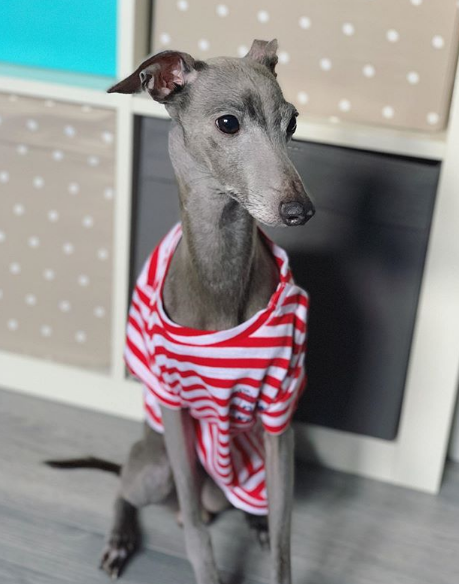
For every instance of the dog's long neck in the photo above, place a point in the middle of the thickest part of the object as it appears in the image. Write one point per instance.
(219, 247)
(218, 242)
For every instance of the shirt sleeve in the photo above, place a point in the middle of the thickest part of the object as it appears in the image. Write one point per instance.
(278, 404)
(136, 354)
(138, 348)
(277, 416)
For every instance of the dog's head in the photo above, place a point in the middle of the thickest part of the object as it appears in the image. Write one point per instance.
(236, 123)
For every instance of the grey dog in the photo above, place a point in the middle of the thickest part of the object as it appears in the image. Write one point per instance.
(228, 146)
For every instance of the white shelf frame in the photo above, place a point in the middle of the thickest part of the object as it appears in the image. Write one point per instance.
(416, 458)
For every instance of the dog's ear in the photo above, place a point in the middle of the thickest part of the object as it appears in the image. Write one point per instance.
(161, 76)
(264, 52)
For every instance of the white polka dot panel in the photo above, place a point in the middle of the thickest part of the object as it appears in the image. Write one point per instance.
(348, 29)
(303, 98)
(222, 10)
(165, 38)
(263, 16)
(388, 112)
(31, 300)
(369, 71)
(392, 35)
(413, 77)
(204, 45)
(304, 22)
(392, 60)
(284, 57)
(57, 174)
(69, 131)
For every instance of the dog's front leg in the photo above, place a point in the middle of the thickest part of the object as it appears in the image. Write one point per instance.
(180, 441)
(279, 479)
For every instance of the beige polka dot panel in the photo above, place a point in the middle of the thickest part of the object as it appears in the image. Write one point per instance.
(388, 62)
(56, 240)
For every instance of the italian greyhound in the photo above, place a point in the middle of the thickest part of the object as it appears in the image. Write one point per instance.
(228, 145)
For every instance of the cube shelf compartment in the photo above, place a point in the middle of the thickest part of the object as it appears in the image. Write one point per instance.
(385, 63)
(69, 35)
(57, 188)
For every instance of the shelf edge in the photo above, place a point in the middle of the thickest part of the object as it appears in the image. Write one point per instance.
(52, 88)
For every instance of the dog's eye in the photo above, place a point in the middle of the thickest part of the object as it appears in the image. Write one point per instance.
(228, 124)
(291, 125)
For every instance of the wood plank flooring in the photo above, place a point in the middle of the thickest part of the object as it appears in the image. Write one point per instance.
(346, 530)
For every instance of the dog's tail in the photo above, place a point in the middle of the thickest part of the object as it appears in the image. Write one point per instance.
(88, 462)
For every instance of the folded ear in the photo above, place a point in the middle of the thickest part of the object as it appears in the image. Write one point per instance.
(161, 76)
(264, 52)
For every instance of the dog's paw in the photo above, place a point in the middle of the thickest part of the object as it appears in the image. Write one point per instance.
(118, 551)
(259, 526)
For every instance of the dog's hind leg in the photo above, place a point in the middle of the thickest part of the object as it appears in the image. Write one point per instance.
(213, 499)
(146, 478)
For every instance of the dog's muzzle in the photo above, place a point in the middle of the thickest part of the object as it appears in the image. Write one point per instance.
(295, 213)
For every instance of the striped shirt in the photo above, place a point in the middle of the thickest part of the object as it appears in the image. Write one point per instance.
(236, 383)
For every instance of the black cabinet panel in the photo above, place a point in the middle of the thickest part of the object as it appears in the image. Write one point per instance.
(155, 203)
(361, 259)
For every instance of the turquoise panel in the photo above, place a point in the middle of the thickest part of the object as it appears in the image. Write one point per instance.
(72, 35)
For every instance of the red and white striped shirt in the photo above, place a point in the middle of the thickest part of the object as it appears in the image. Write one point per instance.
(235, 383)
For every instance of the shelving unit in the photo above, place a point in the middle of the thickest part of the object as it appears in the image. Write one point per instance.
(416, 458)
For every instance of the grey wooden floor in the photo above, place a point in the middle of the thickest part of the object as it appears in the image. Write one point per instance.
(346, 530)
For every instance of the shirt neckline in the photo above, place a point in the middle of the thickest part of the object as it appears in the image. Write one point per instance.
(243, 329)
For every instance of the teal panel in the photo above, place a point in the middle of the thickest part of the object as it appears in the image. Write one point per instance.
(71, 35)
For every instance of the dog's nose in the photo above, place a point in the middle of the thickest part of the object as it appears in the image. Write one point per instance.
(295, 213)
